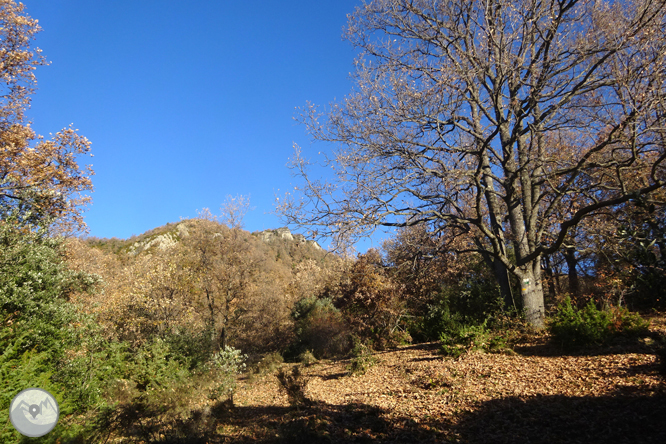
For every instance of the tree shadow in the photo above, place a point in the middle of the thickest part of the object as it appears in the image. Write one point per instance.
(617, 346)
(328, 423)
(332, 376)
(631, 415)
(628, 415)
(315, 423)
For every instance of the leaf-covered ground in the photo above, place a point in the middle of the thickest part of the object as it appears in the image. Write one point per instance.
(538, 395)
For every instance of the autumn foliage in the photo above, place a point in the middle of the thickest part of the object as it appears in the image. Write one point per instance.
(527, 167)
(38, 178)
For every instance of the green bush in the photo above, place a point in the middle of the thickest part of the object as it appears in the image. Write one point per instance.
(226, 365)
(41, 333)
(466, 338)
(362, 359)
(191, 348)
(307, 358)
(268, 364)
(320, 328)
(438, 319)
(573, 327)
(470, 302)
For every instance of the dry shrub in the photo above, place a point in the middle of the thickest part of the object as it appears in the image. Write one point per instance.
(372, 302)
(293, 384)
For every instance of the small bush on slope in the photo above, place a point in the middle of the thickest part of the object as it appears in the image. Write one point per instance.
(573, 327)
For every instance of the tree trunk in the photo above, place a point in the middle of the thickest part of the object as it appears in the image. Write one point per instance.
(572, 262)
(531, 291)
(502, 276)
(223, 337)
(504, 282)
(548, 269)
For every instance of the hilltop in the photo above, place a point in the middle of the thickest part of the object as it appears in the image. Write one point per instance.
(173, 277)
(166, 236)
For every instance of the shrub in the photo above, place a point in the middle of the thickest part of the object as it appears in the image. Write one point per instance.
(226, 365)
(438, 320)
(573, 327)
(191, 348)
(470, 338)
(471, 302)
(320, 328)
(307, 358)
(41, 332)
(372, 301)
(362, 359)
(268, 363)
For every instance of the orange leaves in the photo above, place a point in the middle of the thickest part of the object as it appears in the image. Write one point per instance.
(41, 179)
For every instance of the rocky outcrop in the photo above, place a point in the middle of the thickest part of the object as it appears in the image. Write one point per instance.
(162, 241)
(314, 244)
(284, 233)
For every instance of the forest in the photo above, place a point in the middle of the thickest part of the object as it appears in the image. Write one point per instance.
(519, 161)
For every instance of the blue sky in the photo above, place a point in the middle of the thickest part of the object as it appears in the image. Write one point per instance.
(187, 102)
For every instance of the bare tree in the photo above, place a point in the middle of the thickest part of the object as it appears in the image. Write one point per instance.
(233, 211)
(489, 119)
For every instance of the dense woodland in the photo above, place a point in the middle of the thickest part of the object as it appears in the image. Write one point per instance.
(182, 333)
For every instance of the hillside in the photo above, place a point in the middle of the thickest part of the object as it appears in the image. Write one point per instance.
(198, 273)
(165, 236)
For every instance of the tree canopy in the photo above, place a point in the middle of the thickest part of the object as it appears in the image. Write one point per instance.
(38, 178)
(506, 123)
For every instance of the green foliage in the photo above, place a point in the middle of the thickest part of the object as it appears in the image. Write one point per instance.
(439, 319)
(41, 333)
(226, 364)
(268, 364)
(320, 328)
(466, 338)
(489, 331)
(191, 348)
(307, 358)
(362, 358)
(573, 327)
(468, 303)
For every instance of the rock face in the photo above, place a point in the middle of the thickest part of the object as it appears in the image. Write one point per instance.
(284, 233)
(162, 242)
(182, 230)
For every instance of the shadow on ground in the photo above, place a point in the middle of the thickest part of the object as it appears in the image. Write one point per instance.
(315, 423)
(548, 347)
(626, 416)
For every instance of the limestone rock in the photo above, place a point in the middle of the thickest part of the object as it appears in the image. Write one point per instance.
(285, 233)
(182, 230)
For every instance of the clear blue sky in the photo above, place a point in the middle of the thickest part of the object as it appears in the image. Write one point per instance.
(187, 102)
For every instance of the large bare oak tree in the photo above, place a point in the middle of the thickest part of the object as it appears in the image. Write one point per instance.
(507, 122)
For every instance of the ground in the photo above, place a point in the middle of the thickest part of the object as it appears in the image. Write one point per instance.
(538, 393)
(413, 394)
